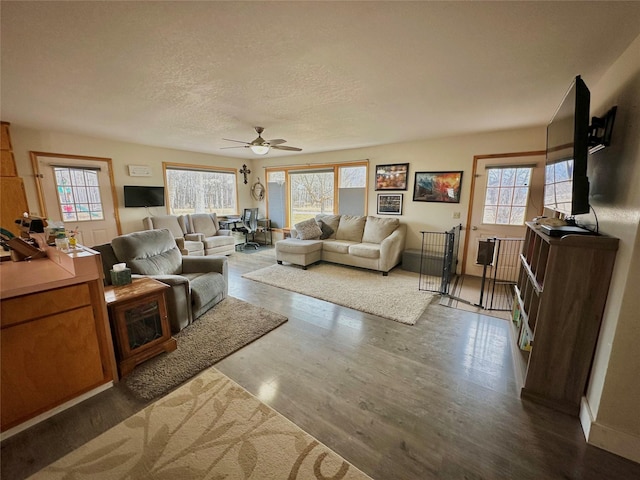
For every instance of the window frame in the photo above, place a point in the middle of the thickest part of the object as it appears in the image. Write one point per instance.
(290, 169)
(199, 168)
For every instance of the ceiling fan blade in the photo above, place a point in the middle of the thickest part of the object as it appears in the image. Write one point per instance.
(284, 147)
(238, 141)
(239, 146)
(276, 141)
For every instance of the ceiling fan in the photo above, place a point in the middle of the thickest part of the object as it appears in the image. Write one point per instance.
(260, 146)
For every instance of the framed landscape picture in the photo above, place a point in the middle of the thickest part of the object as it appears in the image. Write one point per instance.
(437, 187)
(390, 203)
(392, 177)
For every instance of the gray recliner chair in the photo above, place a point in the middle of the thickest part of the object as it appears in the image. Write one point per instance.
(197, 283)
(216, 241)
(188, 243)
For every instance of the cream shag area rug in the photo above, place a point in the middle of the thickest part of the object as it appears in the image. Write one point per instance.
(209, 428)
(395, 296)
(227, 327)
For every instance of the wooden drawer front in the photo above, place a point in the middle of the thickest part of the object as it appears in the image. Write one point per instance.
(28, 307)
(7, 164)
(47, 362)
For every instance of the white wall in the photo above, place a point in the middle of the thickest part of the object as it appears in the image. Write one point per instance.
(452, 153)
(611, 417)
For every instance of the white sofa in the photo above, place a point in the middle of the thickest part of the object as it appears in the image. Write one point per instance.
(374, 243)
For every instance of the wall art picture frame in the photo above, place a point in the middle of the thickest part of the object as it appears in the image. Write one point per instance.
(437, 187)
(390, 203)
(392, 177)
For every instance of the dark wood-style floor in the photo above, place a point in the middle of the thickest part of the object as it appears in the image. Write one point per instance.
(432, 401)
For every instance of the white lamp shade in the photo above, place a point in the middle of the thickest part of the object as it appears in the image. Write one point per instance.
(259, 149)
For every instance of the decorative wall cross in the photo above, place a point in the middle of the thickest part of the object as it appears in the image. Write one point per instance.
(245, 171)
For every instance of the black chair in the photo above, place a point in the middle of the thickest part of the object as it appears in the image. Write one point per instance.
(249, 221)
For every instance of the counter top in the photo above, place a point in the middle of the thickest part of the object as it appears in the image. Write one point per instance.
(59, 269)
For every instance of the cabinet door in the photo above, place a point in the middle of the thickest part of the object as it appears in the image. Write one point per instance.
(47, 362)
(13, 203)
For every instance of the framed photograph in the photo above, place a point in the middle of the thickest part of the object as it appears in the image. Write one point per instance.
(437, 187)
(390, 203)
(392, 177)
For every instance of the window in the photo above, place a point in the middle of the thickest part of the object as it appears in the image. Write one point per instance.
(201, 190)
(295, 194)
(78, 194)
(505, 201)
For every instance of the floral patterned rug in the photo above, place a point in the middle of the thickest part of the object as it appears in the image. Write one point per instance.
(209, 428)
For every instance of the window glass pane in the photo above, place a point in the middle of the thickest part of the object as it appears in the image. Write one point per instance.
(201, 191)
(489, 215)
(510, 197)
(493, 177)
(353, 177)
(311, 194)
(74, 196)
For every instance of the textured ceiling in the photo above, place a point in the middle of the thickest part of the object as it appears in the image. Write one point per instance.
(323, 75)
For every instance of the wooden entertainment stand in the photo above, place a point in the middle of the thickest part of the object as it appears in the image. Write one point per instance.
(561, 294)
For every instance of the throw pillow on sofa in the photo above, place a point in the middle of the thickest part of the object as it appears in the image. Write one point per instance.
(327, 231)
(351, 228)
(308, 230)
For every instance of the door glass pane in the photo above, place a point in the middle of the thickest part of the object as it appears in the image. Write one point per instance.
(506, 195)
(77, 187)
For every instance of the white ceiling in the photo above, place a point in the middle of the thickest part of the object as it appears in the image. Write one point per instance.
(323, 75)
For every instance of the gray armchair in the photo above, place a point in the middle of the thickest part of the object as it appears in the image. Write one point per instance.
(197, 283)
(188, 243)
(216, 241)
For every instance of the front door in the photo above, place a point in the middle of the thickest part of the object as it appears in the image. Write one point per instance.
(507, 190)
(78, 191)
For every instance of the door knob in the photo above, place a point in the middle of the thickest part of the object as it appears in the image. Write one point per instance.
(474, 228)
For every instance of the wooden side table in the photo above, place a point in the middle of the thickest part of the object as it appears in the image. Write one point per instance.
(139, 322)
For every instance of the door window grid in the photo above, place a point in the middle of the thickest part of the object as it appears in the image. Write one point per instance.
(78, 194)
(506, 196)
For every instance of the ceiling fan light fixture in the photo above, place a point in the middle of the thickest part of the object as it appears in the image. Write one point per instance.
(259, 149)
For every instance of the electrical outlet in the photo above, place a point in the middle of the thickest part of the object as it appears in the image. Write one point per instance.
(456, 214)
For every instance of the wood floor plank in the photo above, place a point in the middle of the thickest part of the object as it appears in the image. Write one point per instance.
(437, 400)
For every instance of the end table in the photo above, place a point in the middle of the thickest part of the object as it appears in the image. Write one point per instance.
(139, 322)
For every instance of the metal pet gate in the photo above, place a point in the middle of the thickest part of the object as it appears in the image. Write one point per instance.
(499, 257)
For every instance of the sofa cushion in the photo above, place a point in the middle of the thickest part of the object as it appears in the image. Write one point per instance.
(377, 229)
(337, 246)
(297, 246)
(327, 231)
(350, 228)
(218, 241)
(308, 229)
(366, 250)
(331, 221)
(170, 222)
(205, 223)
(150, 252)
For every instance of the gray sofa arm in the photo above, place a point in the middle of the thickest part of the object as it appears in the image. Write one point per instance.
(210, 263)
(178, 299)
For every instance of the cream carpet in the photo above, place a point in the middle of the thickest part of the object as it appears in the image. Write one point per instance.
(395, 296)
(209, 428)
(227, 327)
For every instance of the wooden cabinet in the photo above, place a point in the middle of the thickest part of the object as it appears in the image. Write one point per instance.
(139, 322)
(13, 201)
(561, 293)
(54, 343)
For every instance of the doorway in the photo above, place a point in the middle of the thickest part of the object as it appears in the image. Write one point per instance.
(78, 192)
(506, 190)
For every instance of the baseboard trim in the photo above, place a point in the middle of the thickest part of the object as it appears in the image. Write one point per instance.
(602, 436)
(50, 413)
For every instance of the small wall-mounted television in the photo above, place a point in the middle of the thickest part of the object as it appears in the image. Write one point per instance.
(143, 196)
(566, 185)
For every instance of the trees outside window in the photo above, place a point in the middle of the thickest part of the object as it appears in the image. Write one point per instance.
(201, 190)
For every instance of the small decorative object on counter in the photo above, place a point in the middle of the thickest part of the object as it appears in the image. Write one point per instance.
(62, 242)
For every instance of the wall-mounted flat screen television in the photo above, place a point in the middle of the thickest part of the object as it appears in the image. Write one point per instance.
(143, 196)
(566, 185)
